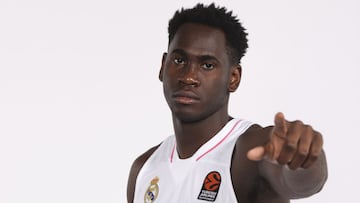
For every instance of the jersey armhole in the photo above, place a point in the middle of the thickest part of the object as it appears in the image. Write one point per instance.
(135, 170)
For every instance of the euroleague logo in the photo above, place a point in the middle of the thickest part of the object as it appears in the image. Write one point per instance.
(210, 186)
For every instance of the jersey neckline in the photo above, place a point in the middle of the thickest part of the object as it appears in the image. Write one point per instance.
(210, 145)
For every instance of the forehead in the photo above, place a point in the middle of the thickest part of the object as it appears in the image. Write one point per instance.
(199, 39)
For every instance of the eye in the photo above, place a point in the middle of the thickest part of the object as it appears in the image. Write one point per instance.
(208, 66)
(179, 61)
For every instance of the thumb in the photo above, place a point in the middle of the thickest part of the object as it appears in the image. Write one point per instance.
(261, 152)
(256, 153)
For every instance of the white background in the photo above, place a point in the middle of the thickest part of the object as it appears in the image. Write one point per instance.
(80, 98)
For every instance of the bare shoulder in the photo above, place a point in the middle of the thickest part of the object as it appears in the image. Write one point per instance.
(255, 135)
(134, 171)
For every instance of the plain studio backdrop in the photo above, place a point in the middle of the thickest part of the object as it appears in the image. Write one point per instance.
(80, 97)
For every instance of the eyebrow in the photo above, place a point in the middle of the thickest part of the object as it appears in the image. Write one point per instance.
(178, 51)
(201, 57)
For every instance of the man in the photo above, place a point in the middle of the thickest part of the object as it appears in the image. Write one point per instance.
(213, 157)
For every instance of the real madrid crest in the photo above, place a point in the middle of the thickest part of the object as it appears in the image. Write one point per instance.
(152, 191)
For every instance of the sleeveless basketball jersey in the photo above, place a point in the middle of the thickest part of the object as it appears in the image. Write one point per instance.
(204, 177)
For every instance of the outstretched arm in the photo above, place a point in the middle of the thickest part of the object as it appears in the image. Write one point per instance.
(293, 160)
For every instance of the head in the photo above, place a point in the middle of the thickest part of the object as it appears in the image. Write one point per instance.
(217, 17)
(202, 65)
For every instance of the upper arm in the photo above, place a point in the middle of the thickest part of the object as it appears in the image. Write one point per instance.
(134, 171)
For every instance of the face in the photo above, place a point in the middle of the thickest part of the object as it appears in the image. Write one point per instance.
(197, 74)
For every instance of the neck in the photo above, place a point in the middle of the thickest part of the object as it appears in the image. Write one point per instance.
(191, 136)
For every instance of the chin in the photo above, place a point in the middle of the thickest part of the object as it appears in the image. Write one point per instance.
(188, 117)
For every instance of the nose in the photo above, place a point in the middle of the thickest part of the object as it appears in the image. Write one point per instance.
(189, 75)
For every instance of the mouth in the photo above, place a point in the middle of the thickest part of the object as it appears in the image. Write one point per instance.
(186, 98)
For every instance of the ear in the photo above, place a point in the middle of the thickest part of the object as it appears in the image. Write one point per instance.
(162, 66)
(235, 77)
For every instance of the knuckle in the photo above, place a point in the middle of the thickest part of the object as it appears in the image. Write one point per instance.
(303, 153)
(313, 158)
(298, 122)
(316, 153)
(290, 147)
(292, 143)
(308, 128)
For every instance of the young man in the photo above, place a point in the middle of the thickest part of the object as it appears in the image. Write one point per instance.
(213, 157)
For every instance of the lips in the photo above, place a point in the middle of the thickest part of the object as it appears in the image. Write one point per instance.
(186, 97)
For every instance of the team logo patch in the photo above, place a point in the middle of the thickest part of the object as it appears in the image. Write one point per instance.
(152, 191)
(210, 186)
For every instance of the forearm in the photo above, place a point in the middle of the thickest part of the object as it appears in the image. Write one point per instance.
(298, 183)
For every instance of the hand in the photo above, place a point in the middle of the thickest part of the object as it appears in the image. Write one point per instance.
(291, 143)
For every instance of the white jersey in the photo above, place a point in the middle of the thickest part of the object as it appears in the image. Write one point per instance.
(204, 177)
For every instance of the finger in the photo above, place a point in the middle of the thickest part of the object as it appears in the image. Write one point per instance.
(256, 153)
(303, 149)
(280, 127)
(278, 135)
(260, 152)
(315, 150)
(277, 144)
(290, 146)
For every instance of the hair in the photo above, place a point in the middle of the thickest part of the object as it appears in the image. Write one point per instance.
(217, 17)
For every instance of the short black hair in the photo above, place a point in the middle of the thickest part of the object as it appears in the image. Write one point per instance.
(218, 17)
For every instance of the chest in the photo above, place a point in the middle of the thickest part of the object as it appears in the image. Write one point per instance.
(185, 182)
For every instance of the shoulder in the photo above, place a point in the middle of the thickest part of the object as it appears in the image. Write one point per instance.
(135, 169)
(255, 135)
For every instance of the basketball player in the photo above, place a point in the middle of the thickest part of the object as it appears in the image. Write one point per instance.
(212, 156)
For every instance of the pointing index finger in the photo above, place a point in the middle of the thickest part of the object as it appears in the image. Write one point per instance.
(278, 135)
(280, 128)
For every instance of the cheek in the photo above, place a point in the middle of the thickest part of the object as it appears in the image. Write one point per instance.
(217, 90)
(220, 84)
(169, 72)
(169, 80)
